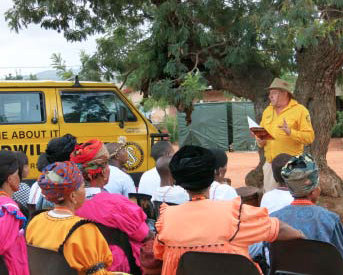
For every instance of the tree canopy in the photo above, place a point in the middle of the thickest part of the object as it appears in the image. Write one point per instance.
(173, 49)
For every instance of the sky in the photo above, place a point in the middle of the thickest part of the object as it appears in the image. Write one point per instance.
(30, 50)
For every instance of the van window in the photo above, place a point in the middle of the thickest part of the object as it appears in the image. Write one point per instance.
(81, 107)
(18, 107)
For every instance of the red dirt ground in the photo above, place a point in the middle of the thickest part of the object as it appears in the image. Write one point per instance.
(240, 163)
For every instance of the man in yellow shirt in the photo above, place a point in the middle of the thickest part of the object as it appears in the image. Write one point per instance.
(288, 122)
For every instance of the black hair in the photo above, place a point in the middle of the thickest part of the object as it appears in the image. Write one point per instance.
(59, 149)
(8, 165)
(22, 161)
(221, 157)
(160, 149)
(42, 162)
(278, 162)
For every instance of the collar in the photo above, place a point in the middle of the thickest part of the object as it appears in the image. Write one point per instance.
(302, 202)
(198, 197)
(3, 193)
(92, 191)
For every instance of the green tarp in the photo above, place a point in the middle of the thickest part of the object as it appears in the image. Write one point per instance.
(218, 125)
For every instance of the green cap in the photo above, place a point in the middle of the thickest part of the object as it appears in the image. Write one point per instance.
(281, 85)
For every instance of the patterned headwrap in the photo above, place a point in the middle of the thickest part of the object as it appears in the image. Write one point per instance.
(59, 179)
(193, 167)
(301, 175)
(92, 158)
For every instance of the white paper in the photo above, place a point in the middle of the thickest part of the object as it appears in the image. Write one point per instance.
(252, 123)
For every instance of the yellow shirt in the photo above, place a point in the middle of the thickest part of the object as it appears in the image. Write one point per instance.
(85, 248)
(298, 120)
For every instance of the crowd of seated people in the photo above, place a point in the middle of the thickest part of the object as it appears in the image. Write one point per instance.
(84, 200)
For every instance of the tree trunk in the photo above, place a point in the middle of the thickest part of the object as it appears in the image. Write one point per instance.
(250, 83)
(315, 88)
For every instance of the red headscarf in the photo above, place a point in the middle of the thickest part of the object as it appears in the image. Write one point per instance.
(92, 157)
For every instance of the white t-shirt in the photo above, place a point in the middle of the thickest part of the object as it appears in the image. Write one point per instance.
(173, 194)
(120, 182)
(150, 182)
(276, 199)
(222, 192)
(35, 193)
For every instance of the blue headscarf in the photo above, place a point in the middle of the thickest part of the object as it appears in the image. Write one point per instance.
(301, 175)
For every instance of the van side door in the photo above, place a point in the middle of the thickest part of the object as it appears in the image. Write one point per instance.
(94, 113)
(26, 116)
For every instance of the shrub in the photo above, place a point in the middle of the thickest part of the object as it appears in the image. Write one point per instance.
(337, 130)
(171, 125)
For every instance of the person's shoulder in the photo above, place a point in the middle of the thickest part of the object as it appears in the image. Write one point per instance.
(299, 107)
(327, 214)
(149, 173)
(268, 109)
(280, 213)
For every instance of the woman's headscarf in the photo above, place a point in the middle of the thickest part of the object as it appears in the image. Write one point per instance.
(301, 175)
(193, 167)
(59, 179)
(92, 158)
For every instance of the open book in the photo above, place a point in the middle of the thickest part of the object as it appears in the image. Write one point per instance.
(258, 131)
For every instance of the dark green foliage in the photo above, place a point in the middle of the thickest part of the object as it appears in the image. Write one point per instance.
(337, 130)
(169, 49)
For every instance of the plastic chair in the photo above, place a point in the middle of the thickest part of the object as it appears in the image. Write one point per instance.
(205, 263)
(157, 205)
(114, 236)
(3, 267)
(305, 257)
(46, 261)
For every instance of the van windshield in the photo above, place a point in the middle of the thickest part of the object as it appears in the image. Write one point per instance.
(93, 106)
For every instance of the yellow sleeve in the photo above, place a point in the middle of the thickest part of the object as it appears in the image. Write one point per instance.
(85, 248)
(305, 134)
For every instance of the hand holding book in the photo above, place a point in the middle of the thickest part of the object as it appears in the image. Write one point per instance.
(259, 131)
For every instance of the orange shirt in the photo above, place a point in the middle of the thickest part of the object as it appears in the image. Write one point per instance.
(85, 248)
(207, 225)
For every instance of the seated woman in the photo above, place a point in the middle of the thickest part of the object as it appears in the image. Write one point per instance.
(57, 150)
(86, 249)
(21, 196)
(111, 210)
(12, 221)
(209, 225)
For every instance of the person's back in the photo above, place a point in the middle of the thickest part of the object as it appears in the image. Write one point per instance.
(316, 222)
(150, 179)
(279, 197)
(207, 225)
(167, 192)
(86, 249)
(110, 210)
(119, 181)
(12, 221)
(220, 189)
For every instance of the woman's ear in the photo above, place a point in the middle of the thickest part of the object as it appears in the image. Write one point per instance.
(72, 197)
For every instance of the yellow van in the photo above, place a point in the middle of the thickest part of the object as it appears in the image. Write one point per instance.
(33, 112)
